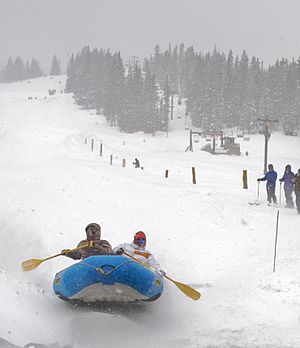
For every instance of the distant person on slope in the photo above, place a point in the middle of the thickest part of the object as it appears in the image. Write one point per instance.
(137, 250)
(95, 245)
(296, 181)
(271, 177)
(288, 185)
(136, 163)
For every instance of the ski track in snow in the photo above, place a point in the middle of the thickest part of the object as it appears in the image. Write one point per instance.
(205, 235)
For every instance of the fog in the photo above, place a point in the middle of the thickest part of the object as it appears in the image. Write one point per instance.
(267, 29)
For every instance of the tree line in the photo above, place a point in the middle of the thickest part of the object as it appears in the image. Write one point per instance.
(17, 70)
(128, 95)
(220, 90)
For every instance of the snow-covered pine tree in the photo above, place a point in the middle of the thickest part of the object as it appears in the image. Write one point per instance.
(165, 110)
(113, 88)
(19, 69)
(8, 73)
(35, 69)
(150, 101)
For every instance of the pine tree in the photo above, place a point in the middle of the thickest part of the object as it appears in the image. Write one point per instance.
(113, 88)
(8, 73)
(55, 67)
(19, 69)
(35, 70)
(165, 104)
(131, 119)
(71, 75)
(150, 96)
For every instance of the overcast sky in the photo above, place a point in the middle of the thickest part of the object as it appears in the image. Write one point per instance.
(41, 28)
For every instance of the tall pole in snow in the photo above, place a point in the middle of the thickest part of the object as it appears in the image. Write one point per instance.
(266, 152)
(276, 237)
(172, 104)
(267, 134)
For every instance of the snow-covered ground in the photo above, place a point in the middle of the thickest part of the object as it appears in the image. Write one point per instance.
(205, 235)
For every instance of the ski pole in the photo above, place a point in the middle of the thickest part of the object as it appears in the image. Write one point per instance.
(280, 193)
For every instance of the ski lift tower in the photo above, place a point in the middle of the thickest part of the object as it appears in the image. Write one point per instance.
(267, 133)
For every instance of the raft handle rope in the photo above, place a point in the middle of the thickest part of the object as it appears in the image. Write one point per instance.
(102, 271)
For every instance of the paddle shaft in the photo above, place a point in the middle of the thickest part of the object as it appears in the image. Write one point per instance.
(187, 290)
(31, 264)
(52, 257)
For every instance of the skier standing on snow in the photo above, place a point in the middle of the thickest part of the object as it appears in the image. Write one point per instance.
(271, 177)
(137, 250)
(95, 245)
(296, 181)
(288, 185)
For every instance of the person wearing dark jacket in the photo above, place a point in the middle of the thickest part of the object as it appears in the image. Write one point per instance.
(288, 185)
(270, 177)
(94, 244)
(296, 181)
(136, 163)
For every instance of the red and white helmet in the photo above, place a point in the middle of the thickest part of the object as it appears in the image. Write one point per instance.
(140, 239)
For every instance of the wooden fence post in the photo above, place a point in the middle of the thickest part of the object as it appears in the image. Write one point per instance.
(101, 148)
(92, 144)
(245, 180)
(194, 175)
(167, 173)
(123, 162)
(85, 141)
(111, 158)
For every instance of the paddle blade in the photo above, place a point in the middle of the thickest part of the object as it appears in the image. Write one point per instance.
(31, 264)
(190, 292)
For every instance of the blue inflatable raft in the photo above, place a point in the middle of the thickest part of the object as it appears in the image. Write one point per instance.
(110, 278)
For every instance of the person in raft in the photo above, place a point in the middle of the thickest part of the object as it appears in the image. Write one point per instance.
(94, 244)
(137, 249)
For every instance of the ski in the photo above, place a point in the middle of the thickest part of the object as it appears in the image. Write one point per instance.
(255, 203)
(259, 203)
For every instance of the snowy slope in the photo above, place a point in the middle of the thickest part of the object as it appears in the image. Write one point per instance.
(205, 235)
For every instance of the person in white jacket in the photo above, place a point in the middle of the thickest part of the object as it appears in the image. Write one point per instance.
(138, 250)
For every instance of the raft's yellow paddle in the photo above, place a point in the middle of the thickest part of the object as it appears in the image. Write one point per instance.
(187, 290)
(31, 264)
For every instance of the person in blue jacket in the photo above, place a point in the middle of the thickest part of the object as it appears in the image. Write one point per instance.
(271, 177)
(288, 185)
